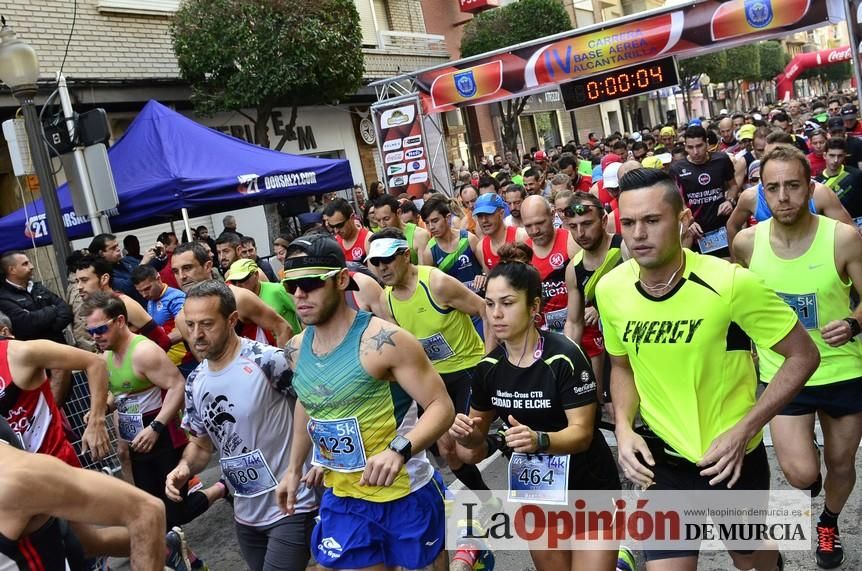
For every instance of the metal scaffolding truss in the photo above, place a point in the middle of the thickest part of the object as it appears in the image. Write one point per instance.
(394, 88)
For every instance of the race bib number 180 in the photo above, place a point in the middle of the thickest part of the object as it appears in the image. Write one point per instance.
(249, 474)
(539, 478)
(337, 444)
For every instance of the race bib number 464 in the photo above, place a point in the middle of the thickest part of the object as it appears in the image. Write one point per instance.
(538, 478)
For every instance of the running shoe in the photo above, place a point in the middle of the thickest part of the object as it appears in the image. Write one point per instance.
(473, 548)
(178, 551)
(626, 559)
(829, 553)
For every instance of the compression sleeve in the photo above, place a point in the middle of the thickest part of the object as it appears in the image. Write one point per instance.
(156, 334)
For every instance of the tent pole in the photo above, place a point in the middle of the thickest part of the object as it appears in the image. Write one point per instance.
(188, 225)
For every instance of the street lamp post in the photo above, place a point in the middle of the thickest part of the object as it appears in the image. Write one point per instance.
(19, 70)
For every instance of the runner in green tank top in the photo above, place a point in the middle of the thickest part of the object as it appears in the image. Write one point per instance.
(811, 262)
(139, 373)
(386, 212)
(678, 327)
(437, 309)
(359, 380)
(244, 274)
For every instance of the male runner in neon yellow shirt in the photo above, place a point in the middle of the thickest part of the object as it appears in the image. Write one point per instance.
(678, 327)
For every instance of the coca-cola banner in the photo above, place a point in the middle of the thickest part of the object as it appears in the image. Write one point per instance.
(684, 31)
(801, 62)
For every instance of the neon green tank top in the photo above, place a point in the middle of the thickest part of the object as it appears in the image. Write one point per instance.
(448, 336)
(122, 379)
(811, 286)
(410, 234)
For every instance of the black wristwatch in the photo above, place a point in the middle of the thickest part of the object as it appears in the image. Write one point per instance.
(157, 427)
(403, 446)
(544, 441)
(855, 328)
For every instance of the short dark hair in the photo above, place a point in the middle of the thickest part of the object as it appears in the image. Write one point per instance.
(228, 238)
(695, 132)
(8, 260)
(836, 144)
(439, 204)
(516, 268)
(589, 199)
(165, 237)
(639, 146)
(778, 137)
(214, 288)
(110, 304)
(786, 153)
(408, 206)
(638, 179)
(762, 132)
(387, 200)
(100, 265)
(338, 205)
(516, 188)
(202, 227)
(144, 272)
(395, 233)
(488, 181)
(200, 252)
(566, 161)
(99, 243)
(246, 240)
(532, 172)
(780, 116)
(738, 116)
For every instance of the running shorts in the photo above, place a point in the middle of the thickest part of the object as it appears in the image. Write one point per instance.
(408, 532)
(593, 341)
(834, 400)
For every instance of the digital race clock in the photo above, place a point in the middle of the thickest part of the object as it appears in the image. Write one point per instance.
(619, 83)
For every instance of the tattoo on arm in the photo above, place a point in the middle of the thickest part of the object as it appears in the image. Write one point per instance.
(290, 351)
(383, 337)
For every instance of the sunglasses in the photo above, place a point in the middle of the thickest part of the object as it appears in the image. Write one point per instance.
(308, 284)
(387, 260)
(576, 210)
(337, 226)
(101, 329)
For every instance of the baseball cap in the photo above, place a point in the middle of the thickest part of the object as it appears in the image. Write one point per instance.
(540, 156)
(746, 132)
(488, 204)
(835, 123)
(241, 269)
(666, 131)
(637, 137)
(666, 158)
(385, 247)
(695, 123)
(754, 170)
(848, 110)
(610, 158)
(322, 253)
(723, 112)
(308, 219)
(609, 175)
(651, 162)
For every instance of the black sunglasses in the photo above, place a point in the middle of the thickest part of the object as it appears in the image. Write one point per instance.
(308, 284)
(576, 210)
(387, 260)
(337, 226)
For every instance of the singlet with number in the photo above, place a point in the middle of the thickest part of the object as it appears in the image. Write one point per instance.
(690, 349)
(33, 415)
(461, 264)
(811, 286)
(491, 258)
(336, 389)
(447, 335)
(135, 397)
(555, 294)
(246, 409)
(355, 253)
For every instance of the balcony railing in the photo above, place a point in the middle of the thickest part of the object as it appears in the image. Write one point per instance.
(411, 42)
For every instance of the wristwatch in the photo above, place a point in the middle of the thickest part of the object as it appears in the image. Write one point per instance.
(157, 427)
(855, 328)
(544, 441)
(403, 446)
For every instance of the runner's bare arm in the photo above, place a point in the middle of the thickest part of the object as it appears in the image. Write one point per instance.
(469, 433)
(726, 453)
(740, 170)
(252, 309)
(848, 260)
(456, 295)
(741, 213)
(285, 493)
(151, 362)
(574, 327)
(195, 458)
(31, 356)
(420, 241)
(38, 484)
(742, 247)
(828, 204)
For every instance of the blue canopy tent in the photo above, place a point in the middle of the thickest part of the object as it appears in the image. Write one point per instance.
(166, 162)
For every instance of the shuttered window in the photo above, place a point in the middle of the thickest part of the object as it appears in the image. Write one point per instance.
(164, 7)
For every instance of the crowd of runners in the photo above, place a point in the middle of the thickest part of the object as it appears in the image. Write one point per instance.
(689, 284)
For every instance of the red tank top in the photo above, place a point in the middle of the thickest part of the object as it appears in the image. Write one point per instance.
(555, 295)
(255, 333)
(33, 415)
(355, 253)
(491, 258)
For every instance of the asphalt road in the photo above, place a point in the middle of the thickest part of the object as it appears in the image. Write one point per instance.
(212, 535)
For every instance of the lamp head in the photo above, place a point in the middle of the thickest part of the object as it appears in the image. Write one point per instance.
(19, 65)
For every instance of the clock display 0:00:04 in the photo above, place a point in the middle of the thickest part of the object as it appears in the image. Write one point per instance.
(622, 83)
